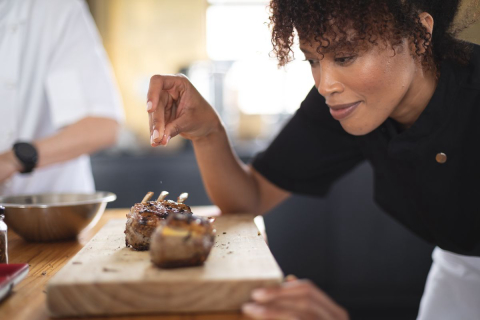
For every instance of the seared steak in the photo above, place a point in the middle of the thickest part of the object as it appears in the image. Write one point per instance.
(144, 217)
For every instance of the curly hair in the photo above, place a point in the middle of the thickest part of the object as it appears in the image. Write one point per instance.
(373, 21)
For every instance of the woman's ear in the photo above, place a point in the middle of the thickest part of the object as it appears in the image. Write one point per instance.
(427, 21)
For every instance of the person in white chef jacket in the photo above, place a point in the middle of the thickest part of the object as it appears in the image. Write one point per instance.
(58, 98)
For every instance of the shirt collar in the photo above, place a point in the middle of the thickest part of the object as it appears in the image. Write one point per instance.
(404, 144)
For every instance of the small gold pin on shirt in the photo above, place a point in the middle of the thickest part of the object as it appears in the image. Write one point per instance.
(441, 157)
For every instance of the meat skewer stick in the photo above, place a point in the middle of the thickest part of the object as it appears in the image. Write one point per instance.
(147, 197)
(162, 195)
(181, 198)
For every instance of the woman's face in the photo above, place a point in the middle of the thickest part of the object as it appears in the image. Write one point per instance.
(363, 89)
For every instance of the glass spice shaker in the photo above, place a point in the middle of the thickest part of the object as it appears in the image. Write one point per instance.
(3, 238)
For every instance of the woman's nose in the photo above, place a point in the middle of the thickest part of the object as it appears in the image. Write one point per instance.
(328, 82)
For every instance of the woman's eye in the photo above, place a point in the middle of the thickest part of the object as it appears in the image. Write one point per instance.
(311, 62)
(344, 60)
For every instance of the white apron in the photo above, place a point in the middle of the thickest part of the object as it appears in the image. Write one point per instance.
(452, 290)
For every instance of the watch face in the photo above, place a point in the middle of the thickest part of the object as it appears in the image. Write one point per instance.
(27, 150)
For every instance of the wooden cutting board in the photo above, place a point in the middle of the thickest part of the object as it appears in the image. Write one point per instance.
(106, 278)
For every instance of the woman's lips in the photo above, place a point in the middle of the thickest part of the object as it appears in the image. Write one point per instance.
(340, 112)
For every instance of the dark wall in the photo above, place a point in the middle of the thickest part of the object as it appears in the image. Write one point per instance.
(130, 177)
(344, 243)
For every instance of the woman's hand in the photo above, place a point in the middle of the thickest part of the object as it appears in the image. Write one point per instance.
(176, 107)
(293, 300)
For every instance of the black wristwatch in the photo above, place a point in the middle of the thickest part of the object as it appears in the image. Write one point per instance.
(27, 154)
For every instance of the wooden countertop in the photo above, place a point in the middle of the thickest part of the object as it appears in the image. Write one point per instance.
(27, 302)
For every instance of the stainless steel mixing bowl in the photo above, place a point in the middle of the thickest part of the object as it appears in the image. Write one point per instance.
(55, 216)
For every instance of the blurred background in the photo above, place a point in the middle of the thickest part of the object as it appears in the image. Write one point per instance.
(346, 245)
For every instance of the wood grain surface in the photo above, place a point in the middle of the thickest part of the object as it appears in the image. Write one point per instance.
(28, 299)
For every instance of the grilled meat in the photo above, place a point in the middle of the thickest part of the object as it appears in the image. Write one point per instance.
(182, 241)
(144, 217)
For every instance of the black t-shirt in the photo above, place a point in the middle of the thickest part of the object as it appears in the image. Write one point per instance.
(440, 202)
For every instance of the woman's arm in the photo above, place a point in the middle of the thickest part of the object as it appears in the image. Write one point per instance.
(83, 137)
(232, 185)
(175, 107)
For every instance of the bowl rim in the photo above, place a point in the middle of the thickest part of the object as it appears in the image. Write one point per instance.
(107, 197)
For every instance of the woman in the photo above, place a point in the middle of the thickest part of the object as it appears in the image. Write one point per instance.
(393, 86)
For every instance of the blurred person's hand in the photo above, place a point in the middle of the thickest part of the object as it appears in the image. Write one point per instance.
(176, 107)
(8, 165)
(293, 300)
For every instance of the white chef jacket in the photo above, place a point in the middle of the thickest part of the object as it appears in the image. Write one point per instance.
(53, 72)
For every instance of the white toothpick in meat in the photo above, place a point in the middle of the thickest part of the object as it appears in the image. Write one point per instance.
(182, 197)
(162, 196)
(147, 197)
